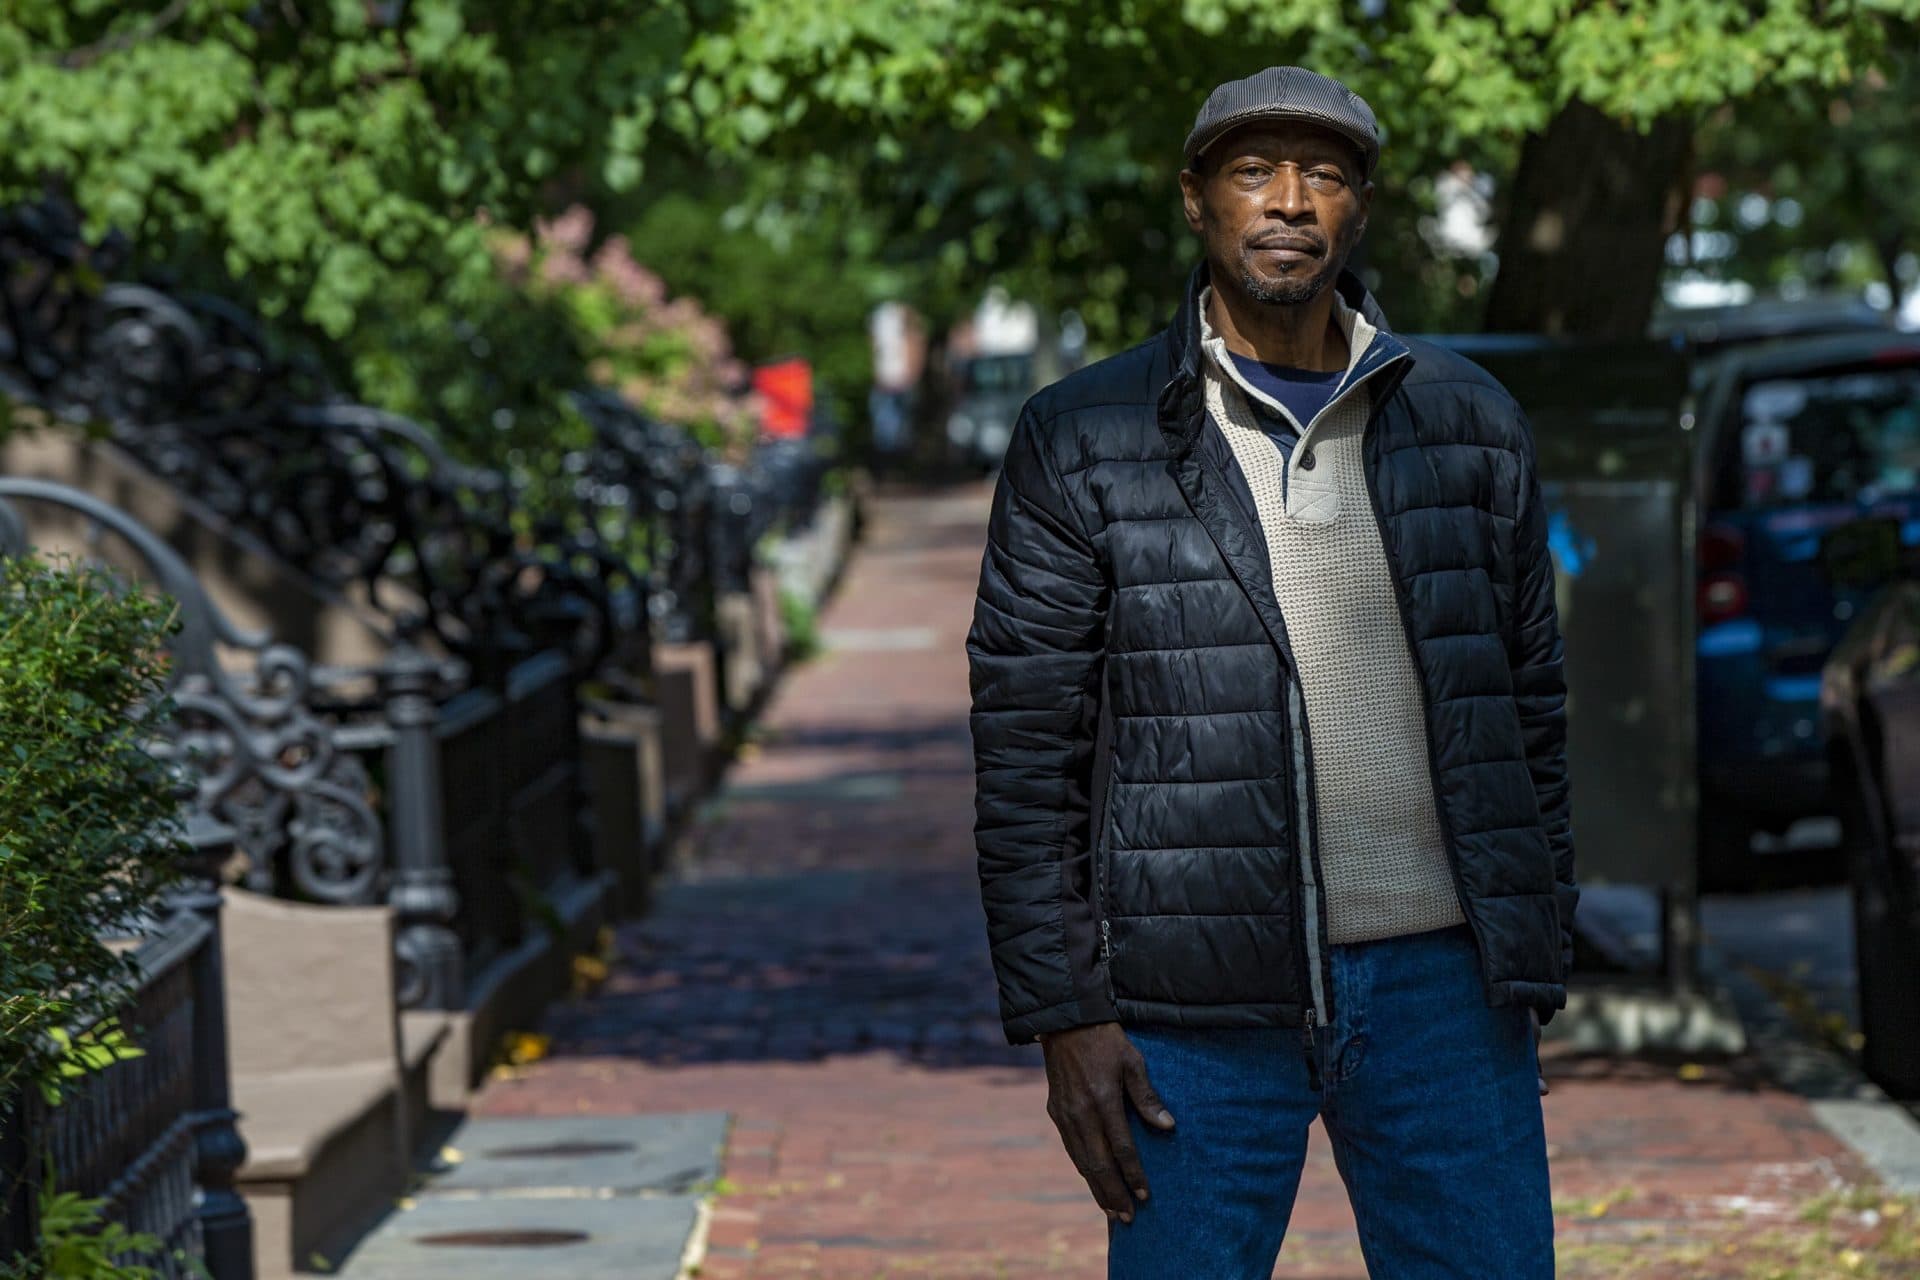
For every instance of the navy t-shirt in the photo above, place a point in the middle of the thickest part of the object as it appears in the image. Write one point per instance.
(1305, 392)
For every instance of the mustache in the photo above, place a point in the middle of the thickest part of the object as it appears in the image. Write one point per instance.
(1304, 244)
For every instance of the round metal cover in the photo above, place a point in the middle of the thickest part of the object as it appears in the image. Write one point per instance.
(524, 1238)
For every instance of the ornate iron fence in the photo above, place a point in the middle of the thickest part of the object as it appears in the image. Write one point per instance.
(260, 761)
(344, 493)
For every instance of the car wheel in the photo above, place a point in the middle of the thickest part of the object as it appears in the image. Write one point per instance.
(1726, 852)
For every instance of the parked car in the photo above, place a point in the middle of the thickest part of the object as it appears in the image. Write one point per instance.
(1800, 456)
(992, 389)
(1707, 329)
(1808, 490)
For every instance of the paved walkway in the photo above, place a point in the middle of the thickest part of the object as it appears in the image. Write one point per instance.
(819, 973)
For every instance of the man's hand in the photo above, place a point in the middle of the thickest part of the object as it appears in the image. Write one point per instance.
(1092, 1073)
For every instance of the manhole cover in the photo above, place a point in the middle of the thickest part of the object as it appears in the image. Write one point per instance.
(531, 1238)
(558, 1150)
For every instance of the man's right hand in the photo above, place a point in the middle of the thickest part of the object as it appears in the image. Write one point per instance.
(1093, 1072)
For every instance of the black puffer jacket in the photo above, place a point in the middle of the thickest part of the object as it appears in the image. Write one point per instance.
(1131, 677)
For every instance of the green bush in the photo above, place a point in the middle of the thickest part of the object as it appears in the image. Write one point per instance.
(78, 1243)
(88, 832)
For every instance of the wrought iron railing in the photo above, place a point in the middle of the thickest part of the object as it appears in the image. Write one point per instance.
(344, 493)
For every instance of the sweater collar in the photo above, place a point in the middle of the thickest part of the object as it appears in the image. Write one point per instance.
(1182, 402)
(1354, 327)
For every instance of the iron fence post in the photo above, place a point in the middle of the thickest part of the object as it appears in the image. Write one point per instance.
(423, 896)
(226, 1227)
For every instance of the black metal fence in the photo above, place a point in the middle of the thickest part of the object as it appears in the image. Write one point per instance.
(445, 778)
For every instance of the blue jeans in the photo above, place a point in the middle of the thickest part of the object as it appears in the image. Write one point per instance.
(1430, 1099)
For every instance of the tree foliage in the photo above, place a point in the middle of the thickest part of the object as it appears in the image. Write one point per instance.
(332, 158)
(329, 160)
(313, 150)
(1816, 187)
(1040, 141)
(664, 354)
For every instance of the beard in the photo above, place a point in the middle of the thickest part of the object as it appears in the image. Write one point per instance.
(1299, 286)
(1288, 291)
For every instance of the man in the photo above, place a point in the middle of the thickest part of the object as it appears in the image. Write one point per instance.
(1272, 808)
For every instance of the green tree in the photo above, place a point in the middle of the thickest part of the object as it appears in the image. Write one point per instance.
(1040, 140)
(330, 159)
(792, 255)
(334, 159)
(1816, 187)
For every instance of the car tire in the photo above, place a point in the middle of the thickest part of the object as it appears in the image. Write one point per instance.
(1726, 853)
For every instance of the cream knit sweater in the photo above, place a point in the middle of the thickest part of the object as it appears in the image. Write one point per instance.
(1382, 858)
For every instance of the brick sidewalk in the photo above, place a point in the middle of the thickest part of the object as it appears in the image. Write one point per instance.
(820, 973)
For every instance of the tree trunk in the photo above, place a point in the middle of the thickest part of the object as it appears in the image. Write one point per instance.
(1583, 237)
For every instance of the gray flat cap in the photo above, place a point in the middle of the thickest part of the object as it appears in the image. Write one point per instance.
(1287, 93)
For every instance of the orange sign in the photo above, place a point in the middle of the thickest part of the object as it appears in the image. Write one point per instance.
(786, 397)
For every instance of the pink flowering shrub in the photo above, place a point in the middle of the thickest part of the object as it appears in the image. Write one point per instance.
(666, 355)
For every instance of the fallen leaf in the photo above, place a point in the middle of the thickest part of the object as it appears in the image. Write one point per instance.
(589, 968)
(527, 1046)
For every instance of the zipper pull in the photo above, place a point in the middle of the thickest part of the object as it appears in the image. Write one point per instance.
(1313, 1058)
(1106, 941)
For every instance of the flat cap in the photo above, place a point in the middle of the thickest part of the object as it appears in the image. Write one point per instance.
(1287, 93)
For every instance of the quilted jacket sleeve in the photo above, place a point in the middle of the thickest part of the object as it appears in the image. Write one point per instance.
(1035, 654)
(1540, 689)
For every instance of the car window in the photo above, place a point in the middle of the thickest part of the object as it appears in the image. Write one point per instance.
(999, 373)
(1850, 436)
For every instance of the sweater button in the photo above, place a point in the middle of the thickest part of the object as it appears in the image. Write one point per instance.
(1306, 460)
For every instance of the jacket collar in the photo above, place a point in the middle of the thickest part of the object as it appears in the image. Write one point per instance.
(1182, 404)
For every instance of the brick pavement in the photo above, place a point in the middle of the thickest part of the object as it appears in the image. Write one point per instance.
(818, 971)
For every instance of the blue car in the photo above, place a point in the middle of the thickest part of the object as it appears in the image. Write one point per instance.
(1809, 502)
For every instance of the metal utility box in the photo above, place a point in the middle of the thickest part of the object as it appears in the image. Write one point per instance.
(1616, 459)
(1616, 450)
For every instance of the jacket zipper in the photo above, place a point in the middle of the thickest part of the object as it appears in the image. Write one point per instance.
(1310, 905)
(1313, 912)
(1100, 843)
(1299, 744)
(1420, 681)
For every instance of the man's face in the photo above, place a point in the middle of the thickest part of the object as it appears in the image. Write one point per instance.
(1279, 207)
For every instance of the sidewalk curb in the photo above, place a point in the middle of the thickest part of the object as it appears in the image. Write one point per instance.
(1847, 1104)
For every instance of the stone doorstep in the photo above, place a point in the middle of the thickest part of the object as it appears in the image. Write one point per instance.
(326, 1156)
(575, 1196)
(514, 989)
(289, 1117)
(747, 668)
